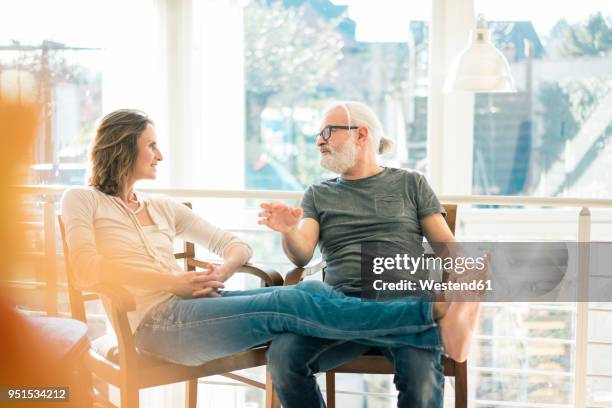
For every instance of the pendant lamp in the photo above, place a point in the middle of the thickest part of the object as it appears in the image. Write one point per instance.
(480, 67)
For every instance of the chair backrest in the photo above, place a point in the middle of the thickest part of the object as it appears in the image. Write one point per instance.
(451, 219)
(78, 297)
(451, 216)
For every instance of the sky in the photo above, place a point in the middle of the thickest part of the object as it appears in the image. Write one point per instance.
(88, 22)
(543, 13)
(386, 18)
(72, 22)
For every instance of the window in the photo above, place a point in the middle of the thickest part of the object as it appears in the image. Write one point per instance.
(236, 89)
(552, 137)
(60, 62)
(300, 55)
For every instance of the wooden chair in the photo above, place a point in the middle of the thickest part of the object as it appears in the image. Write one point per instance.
(375, 362)
(119, 363)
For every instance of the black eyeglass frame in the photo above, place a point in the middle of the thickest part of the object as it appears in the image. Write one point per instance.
(326, 132)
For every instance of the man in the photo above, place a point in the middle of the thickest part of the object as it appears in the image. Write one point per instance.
(367, 203)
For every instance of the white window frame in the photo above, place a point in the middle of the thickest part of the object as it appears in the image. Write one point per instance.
(450, 127)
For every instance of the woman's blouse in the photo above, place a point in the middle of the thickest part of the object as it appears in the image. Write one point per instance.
(100, 226)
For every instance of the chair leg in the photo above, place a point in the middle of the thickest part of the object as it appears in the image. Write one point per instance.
(272, 400)
(84, 395)
(191, 393)
(130, 396)
(330, 381)
(101, 387)
(461, 386)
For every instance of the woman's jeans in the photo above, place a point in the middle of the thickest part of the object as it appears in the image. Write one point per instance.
(193, 331)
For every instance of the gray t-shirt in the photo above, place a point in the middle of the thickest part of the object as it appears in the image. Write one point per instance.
(384, 208)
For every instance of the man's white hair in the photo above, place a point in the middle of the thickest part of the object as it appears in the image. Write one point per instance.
(360, 114)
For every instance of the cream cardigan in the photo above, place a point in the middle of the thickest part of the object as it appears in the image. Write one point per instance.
(101, 226)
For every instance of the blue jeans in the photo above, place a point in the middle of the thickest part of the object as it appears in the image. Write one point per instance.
(293, 360)
(193, 331)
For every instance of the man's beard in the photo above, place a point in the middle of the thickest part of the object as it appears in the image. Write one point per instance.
(341, 159)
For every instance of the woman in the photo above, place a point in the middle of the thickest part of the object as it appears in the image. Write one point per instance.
(118, 235)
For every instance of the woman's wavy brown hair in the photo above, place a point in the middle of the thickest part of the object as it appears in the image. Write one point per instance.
(114, 149)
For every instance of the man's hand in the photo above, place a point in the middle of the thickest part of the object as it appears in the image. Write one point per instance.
(279, 216)
(300, 235)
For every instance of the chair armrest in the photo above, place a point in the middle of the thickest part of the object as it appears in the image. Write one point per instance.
(119, 297)
(296, 275)
(268, 275)
(199, 263)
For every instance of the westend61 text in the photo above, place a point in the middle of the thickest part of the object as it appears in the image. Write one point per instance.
(432, 285)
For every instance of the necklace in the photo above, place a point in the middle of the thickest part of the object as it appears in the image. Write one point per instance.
(140, 205)
(139, 208)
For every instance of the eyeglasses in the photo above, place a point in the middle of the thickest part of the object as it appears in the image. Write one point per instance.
(327, 130)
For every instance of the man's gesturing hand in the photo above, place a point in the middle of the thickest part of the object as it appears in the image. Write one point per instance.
(279, 216)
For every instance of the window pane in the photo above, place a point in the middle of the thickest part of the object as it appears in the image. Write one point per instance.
(552, 137)
(56, 56)
(300, 55)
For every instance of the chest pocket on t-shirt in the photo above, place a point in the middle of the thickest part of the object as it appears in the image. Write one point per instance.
(389, 205)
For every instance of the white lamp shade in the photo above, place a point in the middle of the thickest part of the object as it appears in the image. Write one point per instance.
(480, 67)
